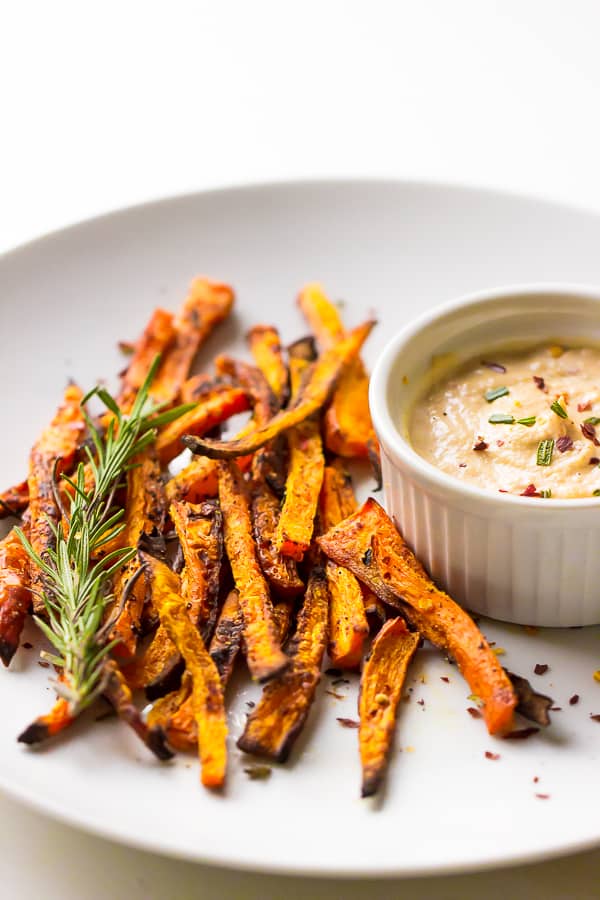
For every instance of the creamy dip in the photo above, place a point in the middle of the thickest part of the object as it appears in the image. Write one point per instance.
(519, 422)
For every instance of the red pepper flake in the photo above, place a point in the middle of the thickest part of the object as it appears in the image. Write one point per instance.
(445, 678)
(473, 712)
(502, 491)
(535, 779)
(530, 491)
(494, 366)
(593, 460)
(520, 734)
(480, 445)
(584, 407)
(43, 664)
(589, 432)
(574, 699)
(421, 702)
(462, 465)
(556, 709)
(500, 443)
(540, 668)
(594, 718)
(335, 694)
(27, 645)
(539, 382)
(564, 443)
(543, 796)
(348, 723)
(490, 755)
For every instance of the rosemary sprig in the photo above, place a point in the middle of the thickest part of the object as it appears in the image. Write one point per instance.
(77, 581)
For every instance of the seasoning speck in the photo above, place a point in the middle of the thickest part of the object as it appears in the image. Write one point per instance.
(595, 717)
(43, 664)
(543, 796)
(480, 445)
(564, 443)
(597, 675)
(494, 366)
(539, 382)
(335, 694)
(540, 668)
(474, 713)
(27, 645)
(520, 734)
(445, 678)
(574, 699)
(258, 773)
(490, 755)
(348, 723)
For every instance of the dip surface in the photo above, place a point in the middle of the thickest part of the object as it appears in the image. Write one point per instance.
(450, 427)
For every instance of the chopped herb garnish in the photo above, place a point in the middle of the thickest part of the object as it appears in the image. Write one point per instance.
(592, 420)
(496, 393)
(528, 421)
(546, 493)
(544, 452)
(501, 419)
(560, 411)
(258, 773)
(596, 493)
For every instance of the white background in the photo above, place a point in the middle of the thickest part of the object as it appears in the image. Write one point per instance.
(107, 104)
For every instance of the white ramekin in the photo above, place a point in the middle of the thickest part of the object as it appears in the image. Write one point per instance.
(519, 559)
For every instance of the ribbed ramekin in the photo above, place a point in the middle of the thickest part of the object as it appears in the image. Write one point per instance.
(513, 558)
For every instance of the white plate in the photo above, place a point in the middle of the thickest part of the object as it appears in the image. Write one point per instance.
(395, 248)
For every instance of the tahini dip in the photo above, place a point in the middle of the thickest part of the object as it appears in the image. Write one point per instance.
(525, 422)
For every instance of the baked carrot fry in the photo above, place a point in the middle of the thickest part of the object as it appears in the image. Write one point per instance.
(118, 694)
(58, 719)
(218, 406)
(282, 616)
(174, 713)
(314, 395)
(305, 476)
(199, 529)
(157, 668)
(206, 305)
(265, 347)
(348, 626)
(145, 514)
(276, 722)
(263, 652)
(280, 571)
(369, 545)
(227, 639)
(196, 482)
(381, 685)
(52, 454)
(15, 597)
(347, 423)
(207, 691)
(14, 500)
(155, 339)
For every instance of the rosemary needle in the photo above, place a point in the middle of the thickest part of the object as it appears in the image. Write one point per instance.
(77, 579)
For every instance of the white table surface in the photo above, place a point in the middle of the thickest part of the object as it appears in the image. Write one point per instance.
(108, 104)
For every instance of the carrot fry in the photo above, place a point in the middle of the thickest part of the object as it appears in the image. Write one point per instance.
(158, 668)
(14, 500)
(272, 728)
(145, 515)
(280, 571)
(58, 719)
(15, 597)
(218, 406)
(305, 474)
(265, 347)
(196, 482)
(227, 639)
(369, 545)
(155, 339)
(263, 653)
(282, 616)
(118, 694)
(347, 423)
(174, 713)
(348, 626)
(199, 529)
(314, 395)
(207, 691)
(381, 685)
(52, 454)
(206, 305)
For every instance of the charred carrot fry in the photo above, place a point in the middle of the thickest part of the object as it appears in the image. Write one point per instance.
(369, 545)
(58, 719)
(274, 725)
(282, 616)
(52, 454)
(158, 669)
(263, 652)
(15, 597)
(207, 691)
(196, 482)
(265, 347)
(199, 529)
(280, 571)
(348, 626)
(347, 423)
(174, 714)
(155, 339)
(218, 406)
(314, 395)
(381, 685)
(14, 500)
(227, 639)
(118, 694)
(206, 305)
(305, 474)
(145, 515)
